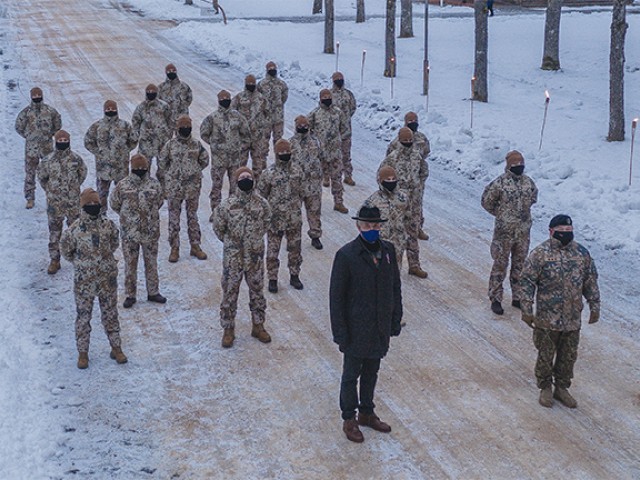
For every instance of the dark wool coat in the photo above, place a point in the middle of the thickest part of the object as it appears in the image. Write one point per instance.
(365, 301)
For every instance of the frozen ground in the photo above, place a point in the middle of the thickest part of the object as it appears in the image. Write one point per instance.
(457, 385)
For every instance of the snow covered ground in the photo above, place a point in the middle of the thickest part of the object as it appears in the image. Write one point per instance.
(181, 407)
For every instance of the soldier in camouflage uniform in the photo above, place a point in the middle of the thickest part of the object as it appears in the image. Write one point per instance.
(89, 244)
(307, 154)
(327, 123)
(240, 222)
(180, 171)
(61, 174)
(111, 140)
(152, 124)
(393, 204)
(36, 123)
(276, 92)
(558, 272)
(176, 93)
(421, 142)
(343, 99)
(227, 133)
(255, 108)
(281, 186)
(509, 199)
(137, 199)
(411, 171)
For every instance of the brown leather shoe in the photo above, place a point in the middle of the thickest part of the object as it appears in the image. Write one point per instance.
(563, 395)
(339, 207)
(352, 431)
(197, 252)
(372, 421)
(53, 267)
(174, 255)
(349, 181)
(418, 272)
(422, 235)
(83, 360)
(228, 337)
(258, 331)
(117, 355)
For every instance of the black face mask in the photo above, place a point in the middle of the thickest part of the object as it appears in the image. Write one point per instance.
(250, 88)
(564, 237)
(285, 157)
(272, 72)
(245, 184)
(111, 113)
(184, 132)
(62, 146)
(140, 173)
(226, 103)
(151, 95)
(326, 101)
(338, 83)
(302, 130)
(92, 210)
(407, 144)
(172, 75)
(391, 186)
(36, 100)
(517, 169)
(413, 126)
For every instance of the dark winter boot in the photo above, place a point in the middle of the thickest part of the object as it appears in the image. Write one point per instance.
(352, 431)
(349, 181)
(197, 252)
(371, 420)
(325, 182)
(316, 243)
(273, 286)
(53, 267)
(128, 302)
(422, 235)
(174, 255)
(117, 355)
(515, 303)
(562, 394)
(546, 397)
(157, 298)
(258, 331)
(418, 272)
(228, 337)
(83, 360)
(295, 282)
(496, 307)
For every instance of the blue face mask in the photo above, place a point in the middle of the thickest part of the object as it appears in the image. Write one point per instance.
(371, 236)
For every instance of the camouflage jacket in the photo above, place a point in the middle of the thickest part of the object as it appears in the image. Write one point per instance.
(561, 276)
(61, 174)
(226, 131)
(307, 155)
(137, 201)
(180, 167)
(420, 142)
(411, 169)
(328, 125)
(280, 185)
(179, 97)
(255, 108)
(509, 198)
(240, 222)
(346, 102)
(152, 120)
(394, 206)
(276, 92)
(89, 243)
(111, 140)
(37, 123)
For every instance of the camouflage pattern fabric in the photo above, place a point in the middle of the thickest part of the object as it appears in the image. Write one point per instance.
(276, 91)
(394, 206)
(193, 225)
(36, 123)
(509, 198)
(255, 108)
(178, 96)
(240, 222)
(180, 167)
(346, 102)
(561, 345)
(307, 155)
(131, 253)
(151, 123)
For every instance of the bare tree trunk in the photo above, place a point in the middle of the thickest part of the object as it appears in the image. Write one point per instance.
(425, 63)
(480, 90)
(390, 41)
(328, 26)
(406, 19)
(360, 18)
(317, 6)
(616, 71)
(551, 55)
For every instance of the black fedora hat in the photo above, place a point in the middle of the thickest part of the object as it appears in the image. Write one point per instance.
(369, 214)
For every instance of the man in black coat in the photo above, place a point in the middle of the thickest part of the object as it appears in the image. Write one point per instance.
(365, 304)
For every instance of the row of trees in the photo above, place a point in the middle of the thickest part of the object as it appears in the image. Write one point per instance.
(550, 56)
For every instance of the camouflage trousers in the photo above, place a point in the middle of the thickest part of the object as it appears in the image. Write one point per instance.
(561, 345)
(294, 250)
(332, 170)
(503, 247)
(275, 132)
(313, 206)
(30, 168)
(217, 179)
(56, 217)
(412, 246)
(347, 168)
(259, 150)
(400, 248)
(193, 226)
(103, 187)
(109, 314)
(131, 253)
(231, 279)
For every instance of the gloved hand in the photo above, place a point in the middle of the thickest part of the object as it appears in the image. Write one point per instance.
(529, 319)
(594, 316)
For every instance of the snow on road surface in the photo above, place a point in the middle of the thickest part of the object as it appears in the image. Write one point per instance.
(457, 386)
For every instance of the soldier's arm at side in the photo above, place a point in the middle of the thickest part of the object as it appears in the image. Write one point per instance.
(203, 157)
(57, 121)
(136, 120)
(21, 123)
(590, 289)
(534, 193)
(220, 221)
(115, 199)
(90, 139)
(43, 174)
(424, 170)
(114, 237)
(132, 137)
(189, 96)
(529, 282)
(490, 198)
(285, 92)
(82, 170)
(68, 245)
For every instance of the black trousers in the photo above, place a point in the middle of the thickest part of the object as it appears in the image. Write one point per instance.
(367, 370)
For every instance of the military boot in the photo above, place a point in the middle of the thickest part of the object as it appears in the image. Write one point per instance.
(563, 395)
(273, 286)
(422, 235)
(157, 298)
(258, 331)
(128, 302)
(197, 252)
(496, 307)
(349, 181)
(174, 255)
(316, 243)
(339, 207)
(418, 272)
(83, 360)
(117, 355)
(325, 182)
(228, 337)
(30, 203)
(53, 267)
(295, 282)
(546, 397)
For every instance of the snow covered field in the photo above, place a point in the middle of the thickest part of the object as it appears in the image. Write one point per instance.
(457, 384)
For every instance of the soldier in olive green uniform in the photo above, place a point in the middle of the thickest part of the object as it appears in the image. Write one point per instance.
(176, 93)
(343, 99)
(151, 123)
(558, 273)
(276, 92)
